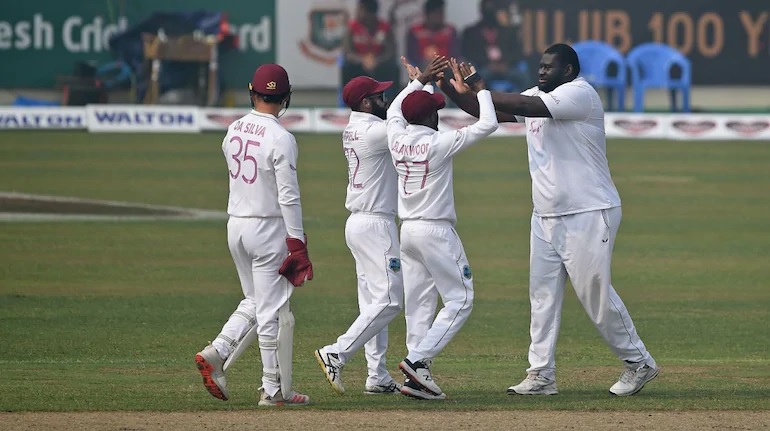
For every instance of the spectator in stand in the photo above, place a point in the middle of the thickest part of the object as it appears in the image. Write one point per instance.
(433, 36)
(369, 47)
(493, 45)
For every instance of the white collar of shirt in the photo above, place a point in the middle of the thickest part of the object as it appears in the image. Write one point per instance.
(576, 80)
(364, 117)
(262, 114)
(417, 129)
(538, 91)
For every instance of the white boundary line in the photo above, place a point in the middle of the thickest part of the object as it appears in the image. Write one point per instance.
(183, 213)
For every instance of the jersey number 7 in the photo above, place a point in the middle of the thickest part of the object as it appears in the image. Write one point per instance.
(415, 175)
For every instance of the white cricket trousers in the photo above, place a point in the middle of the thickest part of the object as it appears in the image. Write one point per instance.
(258, 247)
(578, 246)
(434, 264)
(373, 242)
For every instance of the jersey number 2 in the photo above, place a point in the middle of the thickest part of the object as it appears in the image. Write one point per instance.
(353, 164)
(247, 158)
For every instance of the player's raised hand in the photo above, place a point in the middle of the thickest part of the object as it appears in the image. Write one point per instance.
(440, 75)
(411, 70)
(471, 78)
(436, 66)
(457, 82)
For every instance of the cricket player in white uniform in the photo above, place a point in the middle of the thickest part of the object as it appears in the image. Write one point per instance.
(575, 219)
(433, 259)
(266, 240)
(372, 236)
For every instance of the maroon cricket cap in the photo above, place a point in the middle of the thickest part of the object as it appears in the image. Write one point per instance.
(270, 79)
(360, 87)
(419, 105)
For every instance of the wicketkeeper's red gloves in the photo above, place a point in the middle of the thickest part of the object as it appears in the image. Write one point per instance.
(297, 267)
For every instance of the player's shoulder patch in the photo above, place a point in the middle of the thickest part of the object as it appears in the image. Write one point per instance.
(467, 272)
(394, 264)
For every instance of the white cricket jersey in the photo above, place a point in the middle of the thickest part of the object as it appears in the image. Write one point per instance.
(371, 176)
(262, 161)
(568, 153)
(423, 158)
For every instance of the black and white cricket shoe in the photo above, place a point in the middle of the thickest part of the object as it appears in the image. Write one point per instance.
(414, 390)
(387, 389)
(332, 367)
(419, 372)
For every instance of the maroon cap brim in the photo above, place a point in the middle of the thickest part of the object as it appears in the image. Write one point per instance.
(382, 86)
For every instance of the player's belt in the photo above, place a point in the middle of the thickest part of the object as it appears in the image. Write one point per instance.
(373, 214)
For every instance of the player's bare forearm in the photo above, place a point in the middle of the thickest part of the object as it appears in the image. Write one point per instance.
(436, 66)
(517, 104)
(469, 103)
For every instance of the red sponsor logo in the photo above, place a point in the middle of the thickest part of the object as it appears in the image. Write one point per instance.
(514, 127)
(457, 122)
(635, 126)
(288, 120)
(748, 127)
(694, 127)
(340, 119)
(224, 120)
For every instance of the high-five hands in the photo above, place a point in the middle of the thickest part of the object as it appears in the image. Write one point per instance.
(411, 70)
(433, 72)
(466, 78)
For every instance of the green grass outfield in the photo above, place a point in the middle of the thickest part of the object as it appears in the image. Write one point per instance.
(108, 315)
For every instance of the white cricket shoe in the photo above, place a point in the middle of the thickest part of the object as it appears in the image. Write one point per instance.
(332, 368)
(386, 389)
(633, 379)
(210, 366)
(534, 384)
(294, 399)
(419, 373)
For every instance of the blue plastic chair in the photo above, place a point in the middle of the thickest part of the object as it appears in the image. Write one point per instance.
(595, 60)
(29, 101)
(651, 65)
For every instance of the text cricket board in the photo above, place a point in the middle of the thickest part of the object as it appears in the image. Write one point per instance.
(193, 119)
(718, 37)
